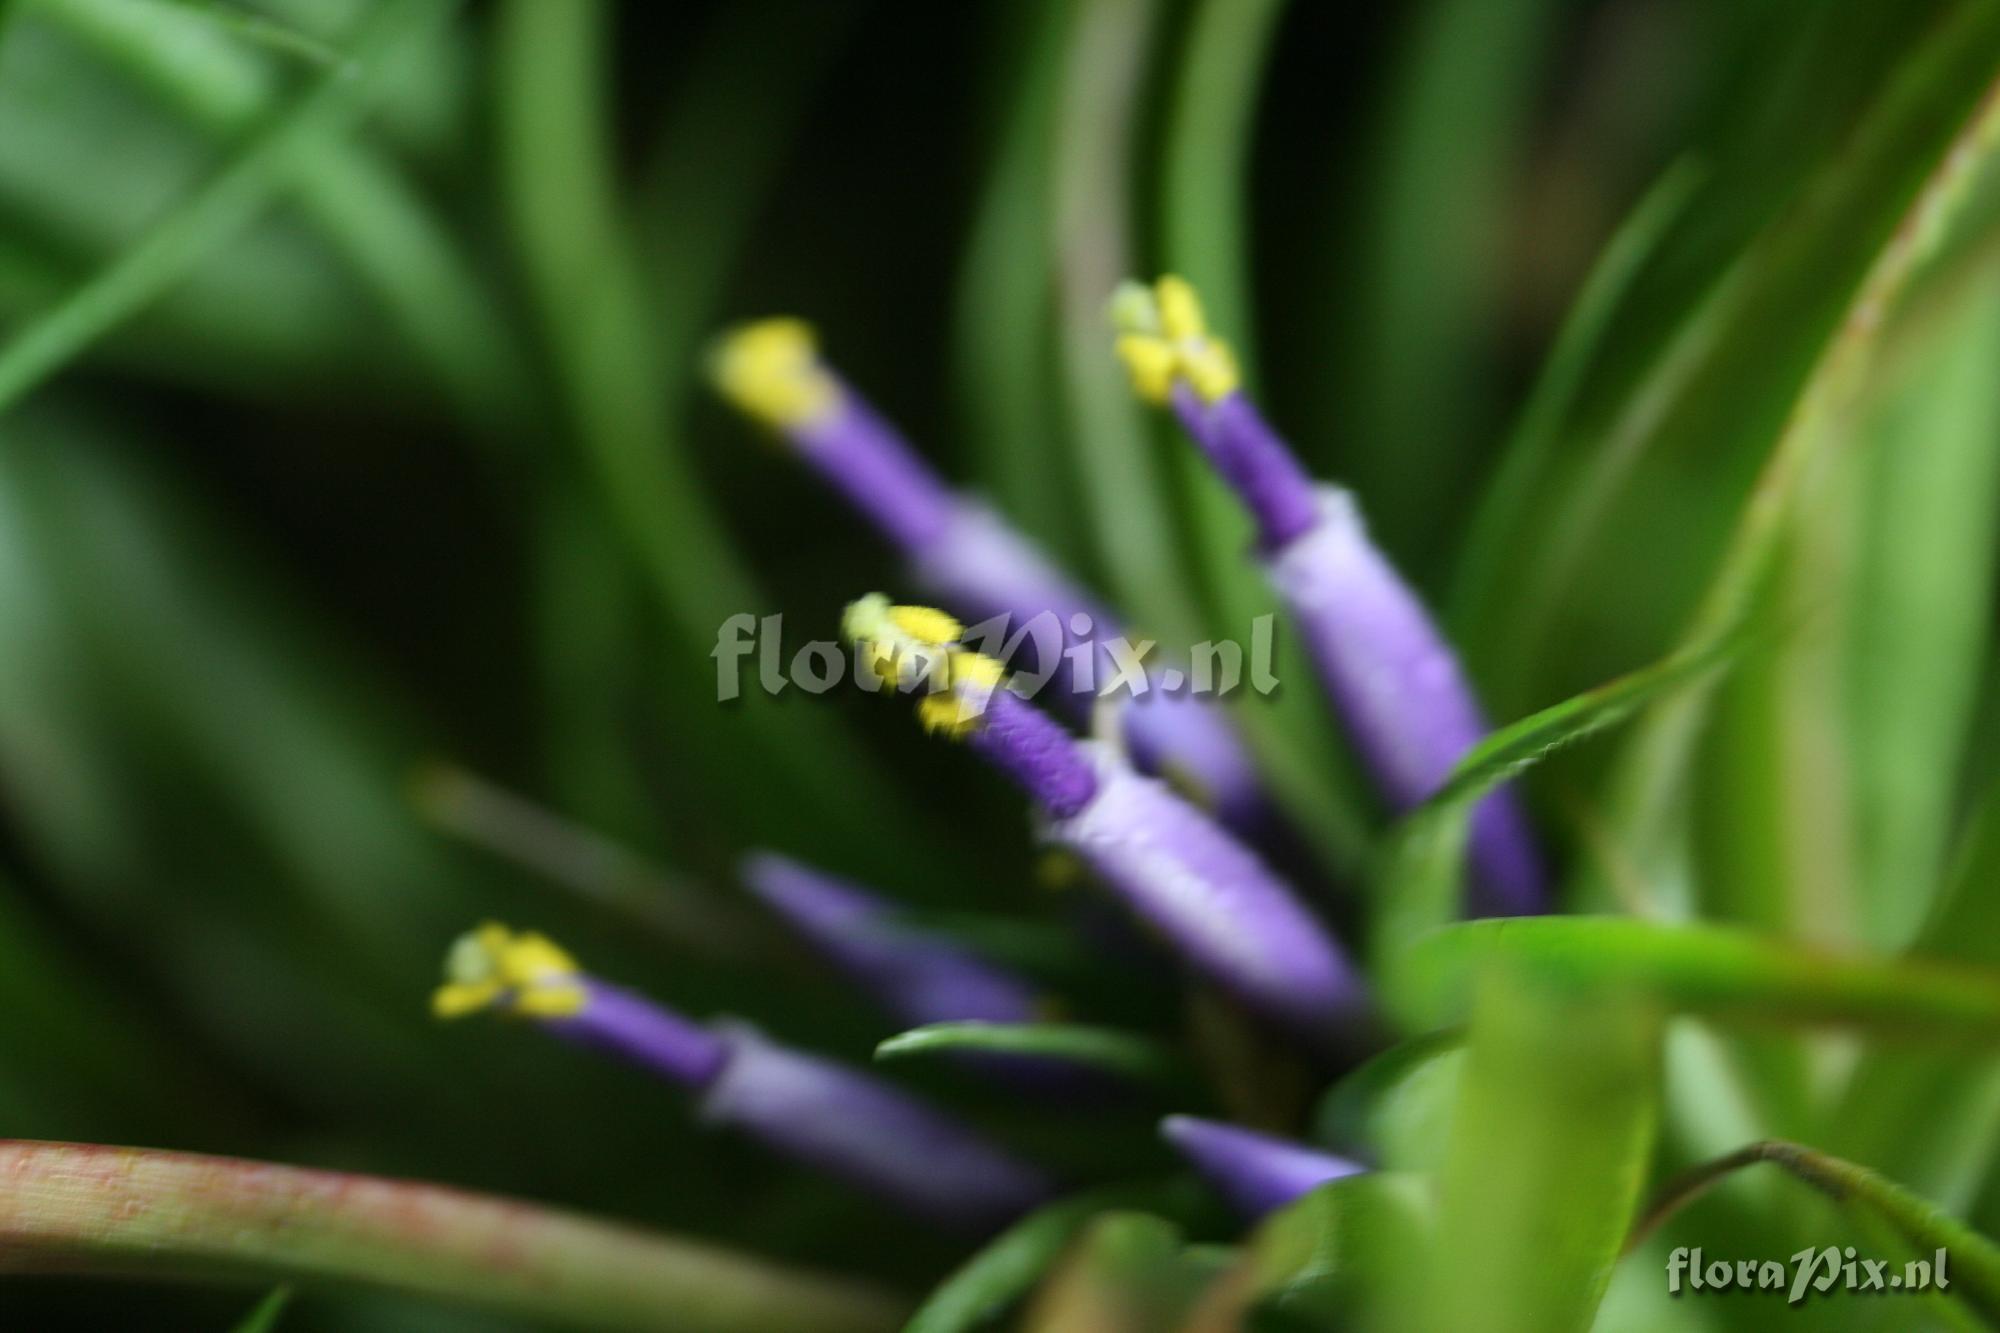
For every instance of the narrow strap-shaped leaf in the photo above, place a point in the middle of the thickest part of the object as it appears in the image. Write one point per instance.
(1123, 1053)
(1719, 971)
(213, 213)
(264, 1318)
(1418, 882)
(1326, 1261)
(80, 1208)
(1550, 1144)
(1973, 1260)
(1655, 767)
(1128, 1272)
(1010, 1265)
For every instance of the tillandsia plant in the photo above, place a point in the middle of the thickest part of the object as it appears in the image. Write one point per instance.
(1541, 879)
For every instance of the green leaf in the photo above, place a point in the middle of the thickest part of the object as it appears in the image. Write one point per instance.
(77, 1208)
(225, 204)
(1325, 1261)
(1014, 1261)
(1920, 628)
(1716, 971)
(1930, 132)
(264, 1319)
(605, 339)
(1550, 1144)
(1953, 1095)
(1419, 880)
(1097, 123)
(1124, 1053)
(1972, 1260)
(1127, 1273)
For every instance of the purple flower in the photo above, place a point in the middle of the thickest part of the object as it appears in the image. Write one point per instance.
(839, 1120)
(968, 557)
(917, 976)
(1397, 683)
(1207, 893)
(1257, 1173)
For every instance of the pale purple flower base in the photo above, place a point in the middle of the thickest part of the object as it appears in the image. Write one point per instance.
(863, 457)
(917, 976)
(868, 1133)
(839, 1120)
(1211, 896)
(1257, 1173)
(1399, 688)
(634, 1028)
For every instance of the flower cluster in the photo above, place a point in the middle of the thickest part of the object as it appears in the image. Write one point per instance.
(1185, 866)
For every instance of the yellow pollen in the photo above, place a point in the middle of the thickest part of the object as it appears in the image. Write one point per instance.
(1163, 337)
(521, 972)
(771, 370)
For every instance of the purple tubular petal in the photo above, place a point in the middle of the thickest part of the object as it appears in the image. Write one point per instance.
(870, 1134)
(975, 564)
(917, 976)
(1211, 896)
(863, 457)
(1399, 687)
(1257, 1173)
(1026, 745)
(650, 1035)
(1258, 465)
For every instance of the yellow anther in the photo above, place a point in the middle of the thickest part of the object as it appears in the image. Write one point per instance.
(1133, 308)
(1163, 337)
(927, 623)
(1211, 368)
(900, 644)
(524, 973)
(1151, 362)
(772, 371)
(1180, 309)
(960, 702)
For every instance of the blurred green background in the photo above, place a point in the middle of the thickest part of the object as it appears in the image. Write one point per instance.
(354, 424)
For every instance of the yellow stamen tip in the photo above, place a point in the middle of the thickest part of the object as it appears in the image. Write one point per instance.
(927, 623)
(1164, 337)
(771, 370)
(1180, 309)
(521, 972)
(1151, 362)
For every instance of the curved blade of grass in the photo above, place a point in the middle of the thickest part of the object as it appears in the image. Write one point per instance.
(363, 205)
(1324, 1261)
(593, 867)
(1921, 629)
(1416, 326)
(1104, 70)
(1128, 1272)
(1974, 1260)
(1204, 187)
(81, 1208)
(1013, 1262)
(558, 164)
(1550, 1143)
(1124, 1053)
(264, 1319)
(1346, 1109)
(1655, 767)
(1418, 882)
(1716, 971)
(1955, 1098)
(1002, 370)
(214, 212)
(1475, 608)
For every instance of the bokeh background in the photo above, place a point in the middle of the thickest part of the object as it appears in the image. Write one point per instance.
(404, 471)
